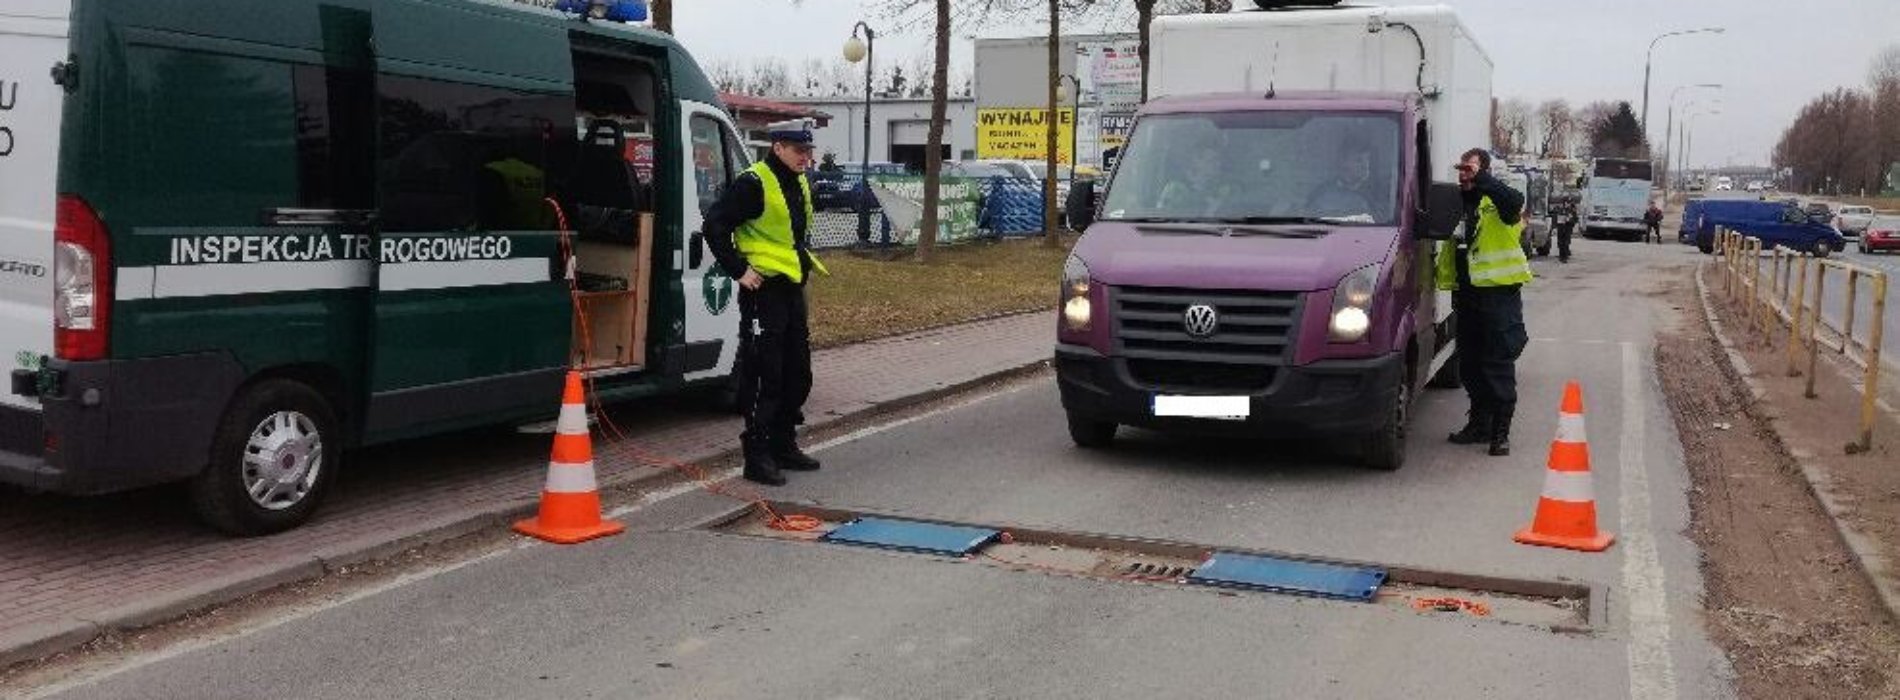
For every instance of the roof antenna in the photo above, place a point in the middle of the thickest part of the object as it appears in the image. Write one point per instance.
(1273, 69)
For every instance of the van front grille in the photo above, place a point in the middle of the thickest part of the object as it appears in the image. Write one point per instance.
(1255, 330)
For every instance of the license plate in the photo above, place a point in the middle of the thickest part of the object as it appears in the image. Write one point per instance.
(1210, 407)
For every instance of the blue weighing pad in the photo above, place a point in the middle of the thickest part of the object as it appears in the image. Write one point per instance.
(911, 536)
(1231, 570)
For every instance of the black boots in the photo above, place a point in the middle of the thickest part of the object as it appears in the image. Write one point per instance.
(760, 467)
(1486, 425)
(790, 458)
(1477, 428)
(1501, 434)
(767, 463)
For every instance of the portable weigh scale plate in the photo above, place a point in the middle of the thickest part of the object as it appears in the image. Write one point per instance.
(912, 536)
(1291, 576)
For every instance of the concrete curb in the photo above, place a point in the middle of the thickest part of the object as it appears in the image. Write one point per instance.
(45, 640)
(1873, 563)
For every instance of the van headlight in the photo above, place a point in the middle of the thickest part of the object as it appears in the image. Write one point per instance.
(1352, 306)
(1076, 313)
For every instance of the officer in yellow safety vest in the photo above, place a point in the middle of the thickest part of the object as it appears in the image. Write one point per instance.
(757, 232)
(1485, 268)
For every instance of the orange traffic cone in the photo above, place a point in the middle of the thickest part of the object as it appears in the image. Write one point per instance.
(1567, 512)
(570, 503)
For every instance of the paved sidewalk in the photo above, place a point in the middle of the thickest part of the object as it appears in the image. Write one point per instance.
(72, 568)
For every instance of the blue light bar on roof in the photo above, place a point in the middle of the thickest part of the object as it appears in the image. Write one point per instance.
(608, 10)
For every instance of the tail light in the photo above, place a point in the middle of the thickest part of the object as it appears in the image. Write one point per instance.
(82, 274)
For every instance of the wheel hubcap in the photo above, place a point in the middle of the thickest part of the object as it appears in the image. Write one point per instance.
(282, 460)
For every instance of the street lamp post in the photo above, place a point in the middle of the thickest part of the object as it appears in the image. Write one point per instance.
(861, 50)
(1651, 55)
(1071, 92)
(1688, 129)
(1669, 131)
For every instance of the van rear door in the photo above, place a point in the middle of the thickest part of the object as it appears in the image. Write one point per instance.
(32, 40)
(472, 320)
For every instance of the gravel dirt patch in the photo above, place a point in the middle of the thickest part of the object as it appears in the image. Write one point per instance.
(1785, 598)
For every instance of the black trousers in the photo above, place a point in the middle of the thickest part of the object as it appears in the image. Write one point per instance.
(775, 361)
(1563, 242)
(1491, 336)
(1652, 231)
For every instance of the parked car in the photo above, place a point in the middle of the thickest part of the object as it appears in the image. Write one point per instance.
(1852, 219)
(843, 189)
(1882, 235)
(1820, 212)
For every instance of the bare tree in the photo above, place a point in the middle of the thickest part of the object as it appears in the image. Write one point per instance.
(1555, 123)
(933, 156)
(1585, 121)
(1884, 76)
(1511, 125)
(1050, 226)
(1885, 67)
(663, 15)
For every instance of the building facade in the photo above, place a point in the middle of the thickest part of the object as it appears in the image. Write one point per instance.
(900, 129)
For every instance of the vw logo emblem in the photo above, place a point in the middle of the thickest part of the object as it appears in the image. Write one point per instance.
(1200, 320)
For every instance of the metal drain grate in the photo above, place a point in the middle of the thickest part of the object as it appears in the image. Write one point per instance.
(1156, 570)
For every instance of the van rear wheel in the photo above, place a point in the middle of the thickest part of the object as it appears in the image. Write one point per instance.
(273, 460)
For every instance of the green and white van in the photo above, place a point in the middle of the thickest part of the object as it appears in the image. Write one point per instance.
(239, 238)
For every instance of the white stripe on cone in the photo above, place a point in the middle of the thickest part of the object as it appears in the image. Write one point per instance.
(1570, 427)
(573, 420)
(1572, 487)
(571, 478)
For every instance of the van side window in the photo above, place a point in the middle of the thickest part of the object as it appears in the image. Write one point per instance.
(214, 135)
(462, 157)
(336, 138)
(712, 166)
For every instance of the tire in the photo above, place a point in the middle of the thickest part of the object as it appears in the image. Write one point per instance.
(1384, 449)
(1543, 251)
(289, 425)
(1091, 434)
(1447, 376)
(1821, 249)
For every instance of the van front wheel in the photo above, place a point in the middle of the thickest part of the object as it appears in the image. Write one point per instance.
(1091, 434)
(1385, 447)
(273, 460)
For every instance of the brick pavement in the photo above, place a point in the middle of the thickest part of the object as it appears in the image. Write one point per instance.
(70, 567)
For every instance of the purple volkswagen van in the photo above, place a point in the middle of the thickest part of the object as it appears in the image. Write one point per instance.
(1262, 265)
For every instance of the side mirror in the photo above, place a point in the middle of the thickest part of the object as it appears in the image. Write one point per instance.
(1081, 205)
(1444, 211)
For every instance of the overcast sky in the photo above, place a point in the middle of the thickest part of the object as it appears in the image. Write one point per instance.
(1774, 57)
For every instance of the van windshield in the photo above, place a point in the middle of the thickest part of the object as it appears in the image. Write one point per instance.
(1339, 167)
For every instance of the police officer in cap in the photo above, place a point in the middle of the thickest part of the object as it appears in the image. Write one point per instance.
(757, 232)
(1485, 269)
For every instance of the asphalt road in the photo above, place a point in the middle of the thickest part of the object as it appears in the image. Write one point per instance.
(668, 611)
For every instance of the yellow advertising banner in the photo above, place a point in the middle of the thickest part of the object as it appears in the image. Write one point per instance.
(1022, 133)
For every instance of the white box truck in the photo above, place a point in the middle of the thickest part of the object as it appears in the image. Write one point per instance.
(1263, 262)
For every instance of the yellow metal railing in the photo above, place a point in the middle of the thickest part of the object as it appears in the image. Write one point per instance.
(1792, 291)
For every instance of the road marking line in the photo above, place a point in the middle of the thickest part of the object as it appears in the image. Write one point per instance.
(1651, 666)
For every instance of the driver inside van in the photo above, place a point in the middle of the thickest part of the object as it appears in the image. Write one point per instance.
(1349, 194)
(1201, 189)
